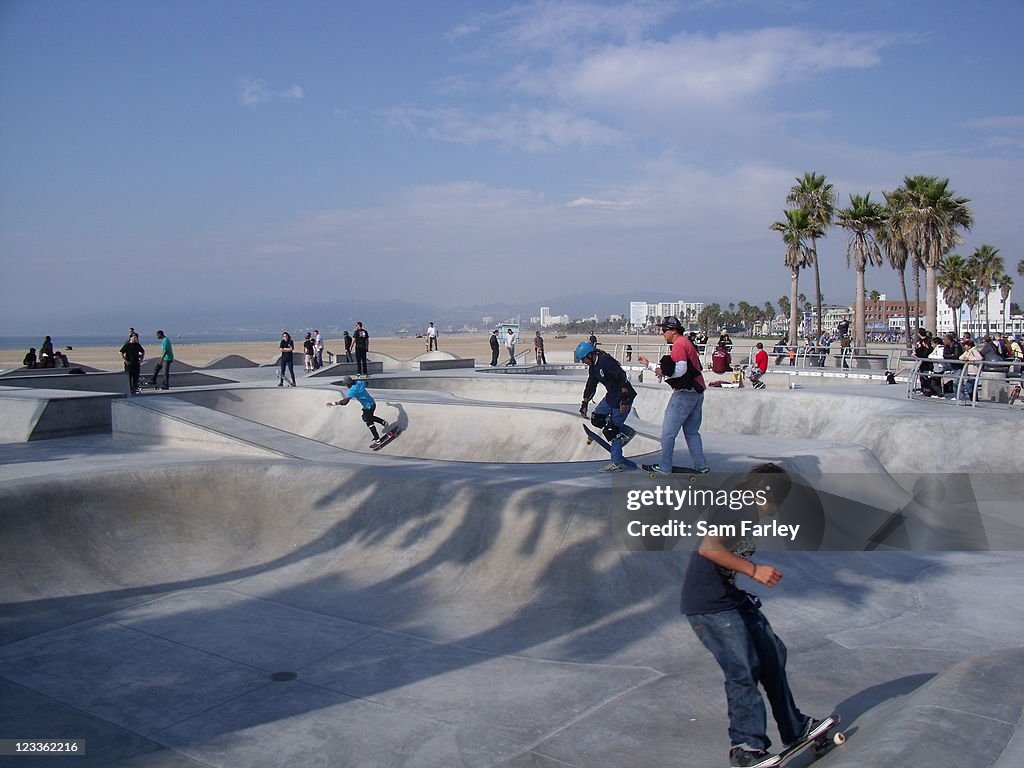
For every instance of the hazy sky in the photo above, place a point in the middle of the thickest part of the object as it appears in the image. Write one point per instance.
(459, 151)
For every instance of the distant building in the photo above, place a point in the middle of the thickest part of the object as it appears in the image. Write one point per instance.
(547, 319)
(686, 311)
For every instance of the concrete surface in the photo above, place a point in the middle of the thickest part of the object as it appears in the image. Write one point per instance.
(228, 578)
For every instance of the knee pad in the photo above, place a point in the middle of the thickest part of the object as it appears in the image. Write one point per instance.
(599, 419)
(610, 431)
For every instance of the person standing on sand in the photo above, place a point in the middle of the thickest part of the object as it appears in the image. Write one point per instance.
(133, 354)
(287, 354)
(495, 346)
(362, 342)
(164, 361)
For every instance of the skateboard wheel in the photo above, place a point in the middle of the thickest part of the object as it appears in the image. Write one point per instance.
(839, 738)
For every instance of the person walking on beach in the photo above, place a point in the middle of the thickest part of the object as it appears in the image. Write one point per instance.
(164, 361)
(495, 346)
(133, 353)
(431, 337)
(348, 347)
(309, 352)
(356, 390)
(538, 349)
(510, 344)
(362, 343)
(728, 621)
(611, 413)
(681, 370)
(287, 354)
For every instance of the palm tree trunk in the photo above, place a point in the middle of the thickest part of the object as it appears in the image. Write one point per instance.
(906, 308)
(956, 321)
(817, 286)
(859, 334)
(987, 329)
(794, 292)
(931, 310)
(917, 294)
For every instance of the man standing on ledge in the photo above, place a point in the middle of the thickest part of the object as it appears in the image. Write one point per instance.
(495, 346)
(611, 413)
(362, 344)
(681, 370)
(431, 338)
(164, 361)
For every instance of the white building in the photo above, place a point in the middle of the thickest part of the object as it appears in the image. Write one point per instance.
(547, 319)
(975, 322)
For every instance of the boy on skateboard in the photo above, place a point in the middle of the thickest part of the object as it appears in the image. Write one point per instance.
(611, 413)
(357, 391)
(729, 623)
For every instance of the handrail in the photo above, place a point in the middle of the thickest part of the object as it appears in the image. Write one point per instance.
(963, 377)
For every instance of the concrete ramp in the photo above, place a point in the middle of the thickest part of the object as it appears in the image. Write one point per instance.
(446, 431)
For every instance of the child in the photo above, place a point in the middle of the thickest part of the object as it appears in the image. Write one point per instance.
(357, 391)
(729, 622)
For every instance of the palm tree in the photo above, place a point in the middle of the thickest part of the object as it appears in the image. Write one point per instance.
(812, 193)
(796, 229)
(864, 218)
(875, 296)
(955, 280)
(1020, 267)
(988, 269)
(1005, 286)
(931, 216)
(897, 251)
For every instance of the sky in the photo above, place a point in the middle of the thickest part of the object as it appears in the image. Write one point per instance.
(177, 155)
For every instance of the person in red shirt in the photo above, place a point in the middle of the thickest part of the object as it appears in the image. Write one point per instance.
(760, 367)
(681, 370)
(721, 360)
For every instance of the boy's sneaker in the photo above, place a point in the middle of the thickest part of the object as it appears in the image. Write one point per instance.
(701, 470)
(740, 757)
(613, 467)
(811, 727)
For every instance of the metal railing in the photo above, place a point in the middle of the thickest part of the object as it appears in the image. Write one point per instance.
(967, 378)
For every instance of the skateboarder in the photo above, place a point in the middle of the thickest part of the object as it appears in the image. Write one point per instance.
(494, 347)
(362, 343)
(729, 622)
(356, 390)
(164, 361)
(611, 413)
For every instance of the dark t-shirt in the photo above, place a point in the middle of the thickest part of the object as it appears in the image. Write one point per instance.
(133, 353)
(707, 588)
(287, 347)
(307, 346)
(362, 338)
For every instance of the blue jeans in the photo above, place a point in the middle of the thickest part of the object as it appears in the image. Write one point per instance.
(618, 418)
(749, 652)
(684, 411)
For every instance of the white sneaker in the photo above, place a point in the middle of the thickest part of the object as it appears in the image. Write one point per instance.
(613, 467)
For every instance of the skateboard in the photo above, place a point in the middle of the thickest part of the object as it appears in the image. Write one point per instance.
(1014, 394)
(653, 470)
(593, 437)
(820, 740)
(386, 438)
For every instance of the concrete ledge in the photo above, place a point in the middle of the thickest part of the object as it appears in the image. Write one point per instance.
(442, 365)
(871, 362)
(116, 383)
(346, 369)
(45, 415)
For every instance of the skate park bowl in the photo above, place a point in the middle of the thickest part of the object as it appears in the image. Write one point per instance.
(185, 603)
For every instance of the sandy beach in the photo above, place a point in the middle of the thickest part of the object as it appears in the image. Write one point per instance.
(199, 354)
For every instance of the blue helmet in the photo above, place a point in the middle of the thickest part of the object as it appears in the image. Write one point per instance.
(583, 349)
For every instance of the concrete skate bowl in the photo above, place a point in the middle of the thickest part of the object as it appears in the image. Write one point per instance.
(444, 431)
(450, 619)
(403, 608)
